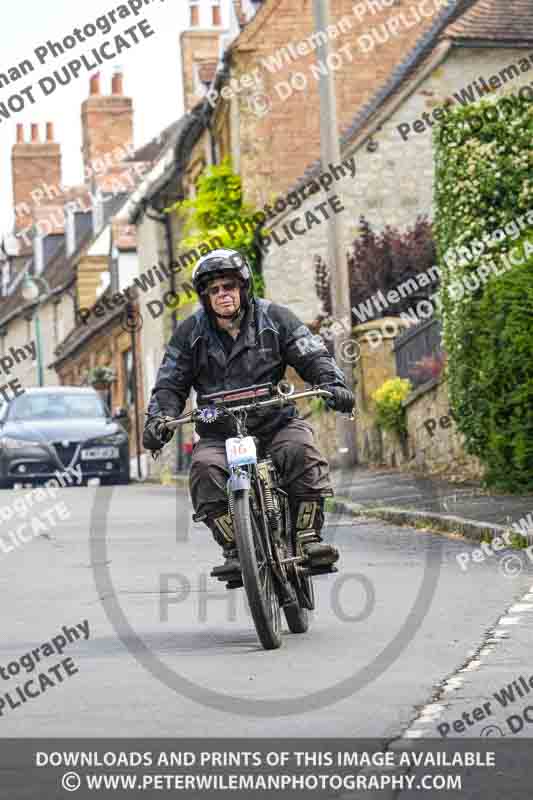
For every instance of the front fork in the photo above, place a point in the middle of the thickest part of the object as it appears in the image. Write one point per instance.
(240, 478)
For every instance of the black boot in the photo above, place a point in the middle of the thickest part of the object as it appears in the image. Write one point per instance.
(221, 526)
(308, 521)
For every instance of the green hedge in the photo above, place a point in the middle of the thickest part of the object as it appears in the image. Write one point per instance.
(484, 202)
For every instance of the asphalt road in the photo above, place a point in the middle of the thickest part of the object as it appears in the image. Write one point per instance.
(172, 653)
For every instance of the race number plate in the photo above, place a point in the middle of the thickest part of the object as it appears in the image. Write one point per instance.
(241, 451)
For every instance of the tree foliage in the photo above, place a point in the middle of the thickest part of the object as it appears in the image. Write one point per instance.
(218, 217)
(381, 261)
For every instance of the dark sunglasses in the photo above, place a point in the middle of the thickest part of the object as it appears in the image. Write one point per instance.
(227, 286)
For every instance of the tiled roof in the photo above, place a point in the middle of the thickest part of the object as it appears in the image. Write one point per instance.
(59, 269)
(495, 20)
(152, 150)
(73, 193)
(58, 272)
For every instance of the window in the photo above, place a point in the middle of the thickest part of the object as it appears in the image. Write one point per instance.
(56, 405)
(194, 6)
(216, 13)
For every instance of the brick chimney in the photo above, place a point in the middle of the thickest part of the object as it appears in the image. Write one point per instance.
(239, 13)
(107, 124)
(199, 59)
(36, 169)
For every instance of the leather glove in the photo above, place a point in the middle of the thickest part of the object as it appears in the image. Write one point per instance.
(155, 435)
(343, 400)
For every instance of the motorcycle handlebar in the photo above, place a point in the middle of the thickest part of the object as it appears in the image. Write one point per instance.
(191, 417)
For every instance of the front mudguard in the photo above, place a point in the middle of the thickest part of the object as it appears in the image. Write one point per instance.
(239, 479)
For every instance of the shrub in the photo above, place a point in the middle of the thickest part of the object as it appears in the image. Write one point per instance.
(499, 412)
(484, 185)
(390, 413)
(379, 262)
(219, 202)
(102, 374)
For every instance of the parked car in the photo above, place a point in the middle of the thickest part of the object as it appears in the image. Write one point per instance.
(49, 430)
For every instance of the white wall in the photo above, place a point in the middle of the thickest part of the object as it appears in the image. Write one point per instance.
(55, 322)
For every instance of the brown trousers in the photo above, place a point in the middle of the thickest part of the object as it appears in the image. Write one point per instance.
(303, 471)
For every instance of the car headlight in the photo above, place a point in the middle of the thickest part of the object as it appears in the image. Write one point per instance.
(114, 438)
(17, 444)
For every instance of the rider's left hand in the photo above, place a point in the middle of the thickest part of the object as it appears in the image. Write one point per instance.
(343, 400)
(155, 434)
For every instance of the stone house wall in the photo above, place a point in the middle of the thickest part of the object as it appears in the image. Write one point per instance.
(434, 447)
(435, 444)
(392, 185)
(279, 135)
(56, 319)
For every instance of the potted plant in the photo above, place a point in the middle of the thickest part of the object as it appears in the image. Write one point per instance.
(101, 377)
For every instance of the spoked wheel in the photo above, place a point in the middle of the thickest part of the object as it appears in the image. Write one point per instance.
(256, 573)
(297, 613)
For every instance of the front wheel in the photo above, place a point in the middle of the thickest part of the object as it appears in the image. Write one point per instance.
(256, 573)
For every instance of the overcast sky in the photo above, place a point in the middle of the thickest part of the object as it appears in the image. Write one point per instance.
(152, 76)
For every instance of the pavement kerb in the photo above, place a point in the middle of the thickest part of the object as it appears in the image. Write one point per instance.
(440, 523)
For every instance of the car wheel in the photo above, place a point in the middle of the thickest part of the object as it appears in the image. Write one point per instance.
(123, 479)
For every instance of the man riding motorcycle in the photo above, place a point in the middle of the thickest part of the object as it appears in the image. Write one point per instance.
(237, 340)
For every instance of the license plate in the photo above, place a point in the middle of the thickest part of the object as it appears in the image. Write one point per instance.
(241, 451)
(100, 452)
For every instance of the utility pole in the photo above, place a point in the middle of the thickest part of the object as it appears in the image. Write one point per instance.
(338, 268)
(131, 314)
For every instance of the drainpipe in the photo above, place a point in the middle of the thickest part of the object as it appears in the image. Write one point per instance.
(212, 140)
(130, 310)
(164, 219)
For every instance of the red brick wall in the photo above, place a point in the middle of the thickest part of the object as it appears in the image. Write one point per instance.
(277, 147)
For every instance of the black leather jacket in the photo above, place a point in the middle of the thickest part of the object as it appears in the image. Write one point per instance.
(271, 337)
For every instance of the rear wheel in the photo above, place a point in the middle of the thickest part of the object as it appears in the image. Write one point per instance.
(256, 573)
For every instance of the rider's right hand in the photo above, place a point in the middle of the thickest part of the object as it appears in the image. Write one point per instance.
(155, 434)
(343, 400)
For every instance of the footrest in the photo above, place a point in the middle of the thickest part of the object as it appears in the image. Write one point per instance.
(320, 570)
(306, 536)
(225, 573)
(235, 583)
